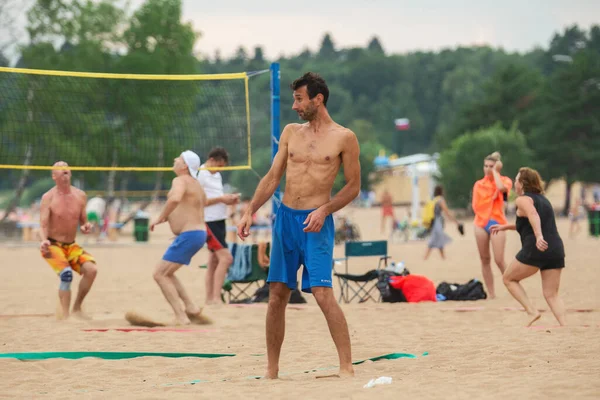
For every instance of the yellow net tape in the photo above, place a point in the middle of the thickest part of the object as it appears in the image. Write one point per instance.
(47, 116)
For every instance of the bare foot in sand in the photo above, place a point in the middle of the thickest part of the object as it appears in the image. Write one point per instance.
(344, 373)
(78, 314)
(60, 315)
(271, 375)
(534, 317)
(198, 318)
(215, 305)
(182, 321)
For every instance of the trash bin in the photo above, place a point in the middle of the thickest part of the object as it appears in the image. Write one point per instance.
(594, 222)
(141, 227)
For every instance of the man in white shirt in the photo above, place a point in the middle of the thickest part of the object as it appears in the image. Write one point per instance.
(95, 213)
(215, 215)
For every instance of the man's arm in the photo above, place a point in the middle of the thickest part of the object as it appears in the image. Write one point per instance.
(351, 162)
(45, 215)
(173, 199)
(215, 200)
(271, 180)
(83, 214)
(227, 199)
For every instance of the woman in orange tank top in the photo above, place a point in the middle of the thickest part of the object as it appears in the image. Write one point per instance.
(488, 206)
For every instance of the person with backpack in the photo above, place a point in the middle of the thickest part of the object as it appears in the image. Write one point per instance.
(433, 218)
(542, 247)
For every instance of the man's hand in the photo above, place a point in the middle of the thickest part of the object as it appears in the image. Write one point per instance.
(44, 248)
(315, 220)
(156, 222)
(86, 228)
(243, 227)
(231, 199)
(541, 244)
(497, 228)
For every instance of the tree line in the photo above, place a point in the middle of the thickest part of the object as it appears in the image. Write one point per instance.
(540, 108)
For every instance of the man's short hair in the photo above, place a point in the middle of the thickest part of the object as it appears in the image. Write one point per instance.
(219, 154)
(314, 83)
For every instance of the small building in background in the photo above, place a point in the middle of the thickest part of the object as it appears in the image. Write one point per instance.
(410, 180)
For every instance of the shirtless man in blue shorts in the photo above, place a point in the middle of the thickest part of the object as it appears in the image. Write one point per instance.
(184, 211)
(303, 232)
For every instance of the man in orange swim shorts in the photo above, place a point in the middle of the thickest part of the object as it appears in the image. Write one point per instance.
(62, 211)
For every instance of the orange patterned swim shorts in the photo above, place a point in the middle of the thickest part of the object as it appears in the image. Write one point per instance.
(62, 255)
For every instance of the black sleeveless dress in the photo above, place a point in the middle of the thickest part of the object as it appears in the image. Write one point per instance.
(554, 256)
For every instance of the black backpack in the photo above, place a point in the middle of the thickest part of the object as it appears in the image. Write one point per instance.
(472, 290)
(262, 296)
(388, 293)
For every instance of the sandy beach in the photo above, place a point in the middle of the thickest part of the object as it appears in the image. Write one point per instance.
(461, 349)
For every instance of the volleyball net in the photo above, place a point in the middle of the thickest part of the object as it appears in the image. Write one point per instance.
(121, 122)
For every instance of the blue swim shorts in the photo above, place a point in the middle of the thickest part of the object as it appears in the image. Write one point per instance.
(293, 247)
(185, 246)
(490, 223)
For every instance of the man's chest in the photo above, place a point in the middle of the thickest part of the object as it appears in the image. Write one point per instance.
(66, 207)
(320, 150)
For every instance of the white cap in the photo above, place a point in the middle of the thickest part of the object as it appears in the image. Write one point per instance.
(192, 160)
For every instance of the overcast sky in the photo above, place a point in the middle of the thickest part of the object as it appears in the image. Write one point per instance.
(284, 27)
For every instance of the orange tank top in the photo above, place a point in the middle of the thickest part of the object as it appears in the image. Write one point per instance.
(488, 201)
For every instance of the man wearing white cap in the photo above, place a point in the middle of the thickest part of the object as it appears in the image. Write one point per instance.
(184, 211)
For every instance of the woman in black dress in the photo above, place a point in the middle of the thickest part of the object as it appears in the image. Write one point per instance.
(542, 248)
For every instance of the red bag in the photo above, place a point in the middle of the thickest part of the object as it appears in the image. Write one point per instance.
(416, 288)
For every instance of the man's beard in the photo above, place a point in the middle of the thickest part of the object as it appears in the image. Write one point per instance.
(309, 114)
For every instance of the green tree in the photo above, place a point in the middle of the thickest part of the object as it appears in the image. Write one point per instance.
(327, 50)
(69, 112)
(567, 139)
(507, 97)
(156, 114)
(566, 43)
(375, 46)
(461, 165)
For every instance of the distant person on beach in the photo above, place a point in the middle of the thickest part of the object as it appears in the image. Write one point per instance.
(488, 206)
(438, 239)
(184, 210)
(542, 248)
(387, 209)
(576, 214)
(215, 214)
(62, 212)
(95, 209)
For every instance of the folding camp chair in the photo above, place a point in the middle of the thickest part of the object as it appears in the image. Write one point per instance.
(238, 290)
(361, 286)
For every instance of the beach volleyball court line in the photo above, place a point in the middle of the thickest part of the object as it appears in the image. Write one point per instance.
(25, 315)
(390, 356)
(105, 355)
(149, 330)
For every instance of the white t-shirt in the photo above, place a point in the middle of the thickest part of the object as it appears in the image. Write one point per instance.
(97, 205)
(213, 187)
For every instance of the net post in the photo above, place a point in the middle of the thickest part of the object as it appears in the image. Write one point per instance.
(275, 126)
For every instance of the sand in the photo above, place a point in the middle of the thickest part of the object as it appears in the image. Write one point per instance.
(483, 351)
